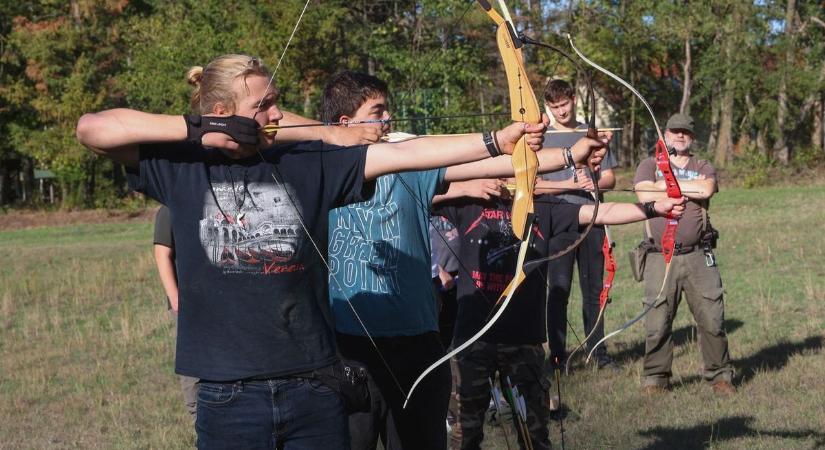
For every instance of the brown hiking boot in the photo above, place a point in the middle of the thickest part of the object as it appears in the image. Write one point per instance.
(723, 388)
(653, 389)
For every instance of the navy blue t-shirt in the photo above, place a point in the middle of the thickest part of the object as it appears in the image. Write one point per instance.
(253, 289)
(489, 250)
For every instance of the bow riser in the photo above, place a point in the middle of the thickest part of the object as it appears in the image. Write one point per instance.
(673, 191)
(523, 108)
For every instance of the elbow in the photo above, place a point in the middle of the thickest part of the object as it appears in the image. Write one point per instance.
(85, 130)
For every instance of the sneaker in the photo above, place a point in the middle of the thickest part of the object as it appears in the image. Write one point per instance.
(723, 388)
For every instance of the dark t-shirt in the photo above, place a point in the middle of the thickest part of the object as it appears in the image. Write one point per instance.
(253, 289)
(690, 224)
(489, 251)
(163, 228)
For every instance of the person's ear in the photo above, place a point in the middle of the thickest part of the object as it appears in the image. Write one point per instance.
(220, 109)
(344, 120)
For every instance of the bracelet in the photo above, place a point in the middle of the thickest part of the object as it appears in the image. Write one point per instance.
(568, 158)
(489, 142)
(650, 210)
(495, 142)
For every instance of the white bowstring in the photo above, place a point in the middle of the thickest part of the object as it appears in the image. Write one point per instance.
(283, 53)
(621, 81)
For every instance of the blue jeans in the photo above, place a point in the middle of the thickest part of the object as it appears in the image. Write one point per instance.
(283, 413)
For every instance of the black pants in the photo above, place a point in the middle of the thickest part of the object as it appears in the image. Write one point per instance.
(588, 256)
(422, 425)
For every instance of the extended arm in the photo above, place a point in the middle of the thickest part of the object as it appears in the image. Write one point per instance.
(586, 151)
(441, 151)
(338, 135)
(622, 213)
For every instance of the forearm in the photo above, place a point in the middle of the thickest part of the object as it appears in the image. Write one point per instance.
(424, 153)
(613, 213)
(116, 133)
(456, 190)
(607, 179)
(647, 191)
(550, 159)
(698, 189)
(300, 134)
(117, 128)
(164, 261)
(554, 187)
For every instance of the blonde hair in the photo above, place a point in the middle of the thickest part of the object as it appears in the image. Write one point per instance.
(213, 84)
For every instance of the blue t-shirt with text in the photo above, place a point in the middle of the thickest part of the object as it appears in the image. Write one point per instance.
(379, 256)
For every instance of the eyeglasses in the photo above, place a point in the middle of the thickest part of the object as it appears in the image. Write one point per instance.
(680, 131)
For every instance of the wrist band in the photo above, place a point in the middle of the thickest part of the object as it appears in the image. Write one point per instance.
(568, 158)
(650, 210)
(489, 142)
(495, 142)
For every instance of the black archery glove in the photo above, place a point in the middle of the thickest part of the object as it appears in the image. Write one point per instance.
(242, 130)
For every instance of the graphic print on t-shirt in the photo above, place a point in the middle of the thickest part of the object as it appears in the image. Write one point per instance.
(492, 234)
(253, 229)
(364, 242)
(680, 174)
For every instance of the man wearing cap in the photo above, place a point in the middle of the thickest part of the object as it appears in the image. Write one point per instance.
(693, 268)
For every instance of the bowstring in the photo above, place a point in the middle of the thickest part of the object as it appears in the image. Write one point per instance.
(281, 58)
(294, 205)
(301, 220)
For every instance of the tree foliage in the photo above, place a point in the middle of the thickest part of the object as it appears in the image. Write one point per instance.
(752, 74)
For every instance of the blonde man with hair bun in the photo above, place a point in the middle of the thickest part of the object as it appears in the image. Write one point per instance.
(247, 213)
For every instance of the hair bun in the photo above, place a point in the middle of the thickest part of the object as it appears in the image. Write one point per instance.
(194, 76)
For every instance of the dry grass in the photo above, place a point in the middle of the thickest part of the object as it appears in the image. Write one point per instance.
(86, 344)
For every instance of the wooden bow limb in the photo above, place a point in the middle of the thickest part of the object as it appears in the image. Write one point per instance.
(504, 300)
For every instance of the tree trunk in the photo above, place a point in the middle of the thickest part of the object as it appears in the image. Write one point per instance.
(714, 116)
(780, 146)
(818, 130)
(119, 180)
(4, 189)
(725, 141)
(27, 180)
(725, 137)
(90, 184)
(684, 106)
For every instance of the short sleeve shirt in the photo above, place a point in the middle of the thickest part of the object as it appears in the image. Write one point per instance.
(253, 293)
(163, 228)
(561, 140)
(489, 251)
(690, 224)
(379, 255)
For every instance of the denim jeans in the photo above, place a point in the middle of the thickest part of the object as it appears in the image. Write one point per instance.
(283, 413)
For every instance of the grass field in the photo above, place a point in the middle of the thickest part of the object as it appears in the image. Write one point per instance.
(86, 344)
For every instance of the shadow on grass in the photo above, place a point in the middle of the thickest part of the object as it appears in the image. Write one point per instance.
(681, 337)
(703, 435)
(773, 358)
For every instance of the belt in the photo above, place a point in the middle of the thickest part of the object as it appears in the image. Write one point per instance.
(307, 374)
(679, 250)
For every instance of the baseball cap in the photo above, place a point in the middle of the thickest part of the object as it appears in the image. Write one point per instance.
(680, 121)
